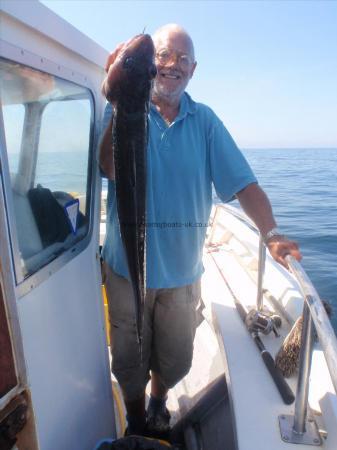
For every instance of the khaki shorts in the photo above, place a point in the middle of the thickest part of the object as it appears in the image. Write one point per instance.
(170, 321)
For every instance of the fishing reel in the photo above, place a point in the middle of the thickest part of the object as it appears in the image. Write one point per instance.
(257, 321)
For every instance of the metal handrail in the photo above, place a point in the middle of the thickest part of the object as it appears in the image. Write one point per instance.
(302, 391)
(260, 273)
(325, 332)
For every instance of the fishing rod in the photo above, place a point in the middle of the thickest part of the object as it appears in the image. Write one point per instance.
(281, 384)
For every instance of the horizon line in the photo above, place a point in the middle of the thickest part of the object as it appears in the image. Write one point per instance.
(287, 148)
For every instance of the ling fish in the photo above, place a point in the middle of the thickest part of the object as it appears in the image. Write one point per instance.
(129, 85)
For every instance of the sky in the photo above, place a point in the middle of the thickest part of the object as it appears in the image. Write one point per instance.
(267, 68)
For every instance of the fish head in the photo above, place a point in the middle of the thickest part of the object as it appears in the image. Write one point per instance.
(139, 57)
(139, 66)
(134, 69)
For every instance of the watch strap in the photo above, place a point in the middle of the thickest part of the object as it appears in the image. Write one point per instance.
(274, 232)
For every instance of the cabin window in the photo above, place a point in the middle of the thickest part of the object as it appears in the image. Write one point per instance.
(48, 131)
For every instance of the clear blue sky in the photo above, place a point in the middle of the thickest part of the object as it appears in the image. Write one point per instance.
(267, 68)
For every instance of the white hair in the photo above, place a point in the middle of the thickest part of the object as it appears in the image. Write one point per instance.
(173, 27)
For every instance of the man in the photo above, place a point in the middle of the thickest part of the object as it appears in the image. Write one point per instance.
(189, 150)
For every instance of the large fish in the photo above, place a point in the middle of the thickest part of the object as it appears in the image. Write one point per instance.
(128, 87)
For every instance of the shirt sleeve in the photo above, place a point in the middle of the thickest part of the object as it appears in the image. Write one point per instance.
(230, 170)
(105, 122)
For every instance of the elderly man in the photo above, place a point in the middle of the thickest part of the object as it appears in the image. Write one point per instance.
(189, 150)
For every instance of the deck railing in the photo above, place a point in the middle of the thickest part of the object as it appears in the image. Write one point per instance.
(314, 313)
(324, 330)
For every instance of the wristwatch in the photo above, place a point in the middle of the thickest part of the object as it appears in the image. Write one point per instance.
(274, 232)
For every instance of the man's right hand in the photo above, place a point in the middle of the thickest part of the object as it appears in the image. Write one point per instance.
(112, 57)
(112, 79)
(107, 86)
(106, 161)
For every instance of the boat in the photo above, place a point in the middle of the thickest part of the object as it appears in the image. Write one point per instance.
(56, 389)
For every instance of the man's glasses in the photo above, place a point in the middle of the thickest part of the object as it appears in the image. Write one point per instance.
(166, 54)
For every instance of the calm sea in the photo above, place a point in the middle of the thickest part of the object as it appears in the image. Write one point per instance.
(302, 187)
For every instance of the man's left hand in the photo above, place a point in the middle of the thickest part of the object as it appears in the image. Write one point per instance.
(279, 247)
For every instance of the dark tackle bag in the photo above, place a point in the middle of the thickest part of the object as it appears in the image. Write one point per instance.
(50, 218)
(135, 443)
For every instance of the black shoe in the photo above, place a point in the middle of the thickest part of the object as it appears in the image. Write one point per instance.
(135, 427)
(158, 424)
(130, 432)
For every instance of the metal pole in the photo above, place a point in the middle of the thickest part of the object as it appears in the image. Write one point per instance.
(262, 260)
(304, 372)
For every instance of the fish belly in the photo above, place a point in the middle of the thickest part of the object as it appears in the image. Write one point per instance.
(129, 146)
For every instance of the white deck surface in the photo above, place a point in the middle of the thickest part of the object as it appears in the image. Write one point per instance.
(256, 401)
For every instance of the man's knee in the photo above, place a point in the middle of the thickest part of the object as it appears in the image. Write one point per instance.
(172, 374)
(132, 381)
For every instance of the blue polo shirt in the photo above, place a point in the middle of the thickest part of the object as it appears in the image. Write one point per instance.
(184, 160)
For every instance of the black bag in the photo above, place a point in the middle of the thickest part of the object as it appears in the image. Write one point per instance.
(50, 217)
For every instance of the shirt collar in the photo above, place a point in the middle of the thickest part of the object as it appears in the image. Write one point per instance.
(187, 106)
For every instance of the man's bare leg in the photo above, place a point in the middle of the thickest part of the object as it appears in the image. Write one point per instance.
(158, 389)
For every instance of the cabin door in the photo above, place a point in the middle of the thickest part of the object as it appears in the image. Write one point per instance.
(54, 358)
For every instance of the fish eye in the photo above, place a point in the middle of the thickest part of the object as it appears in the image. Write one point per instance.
(128, 63)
